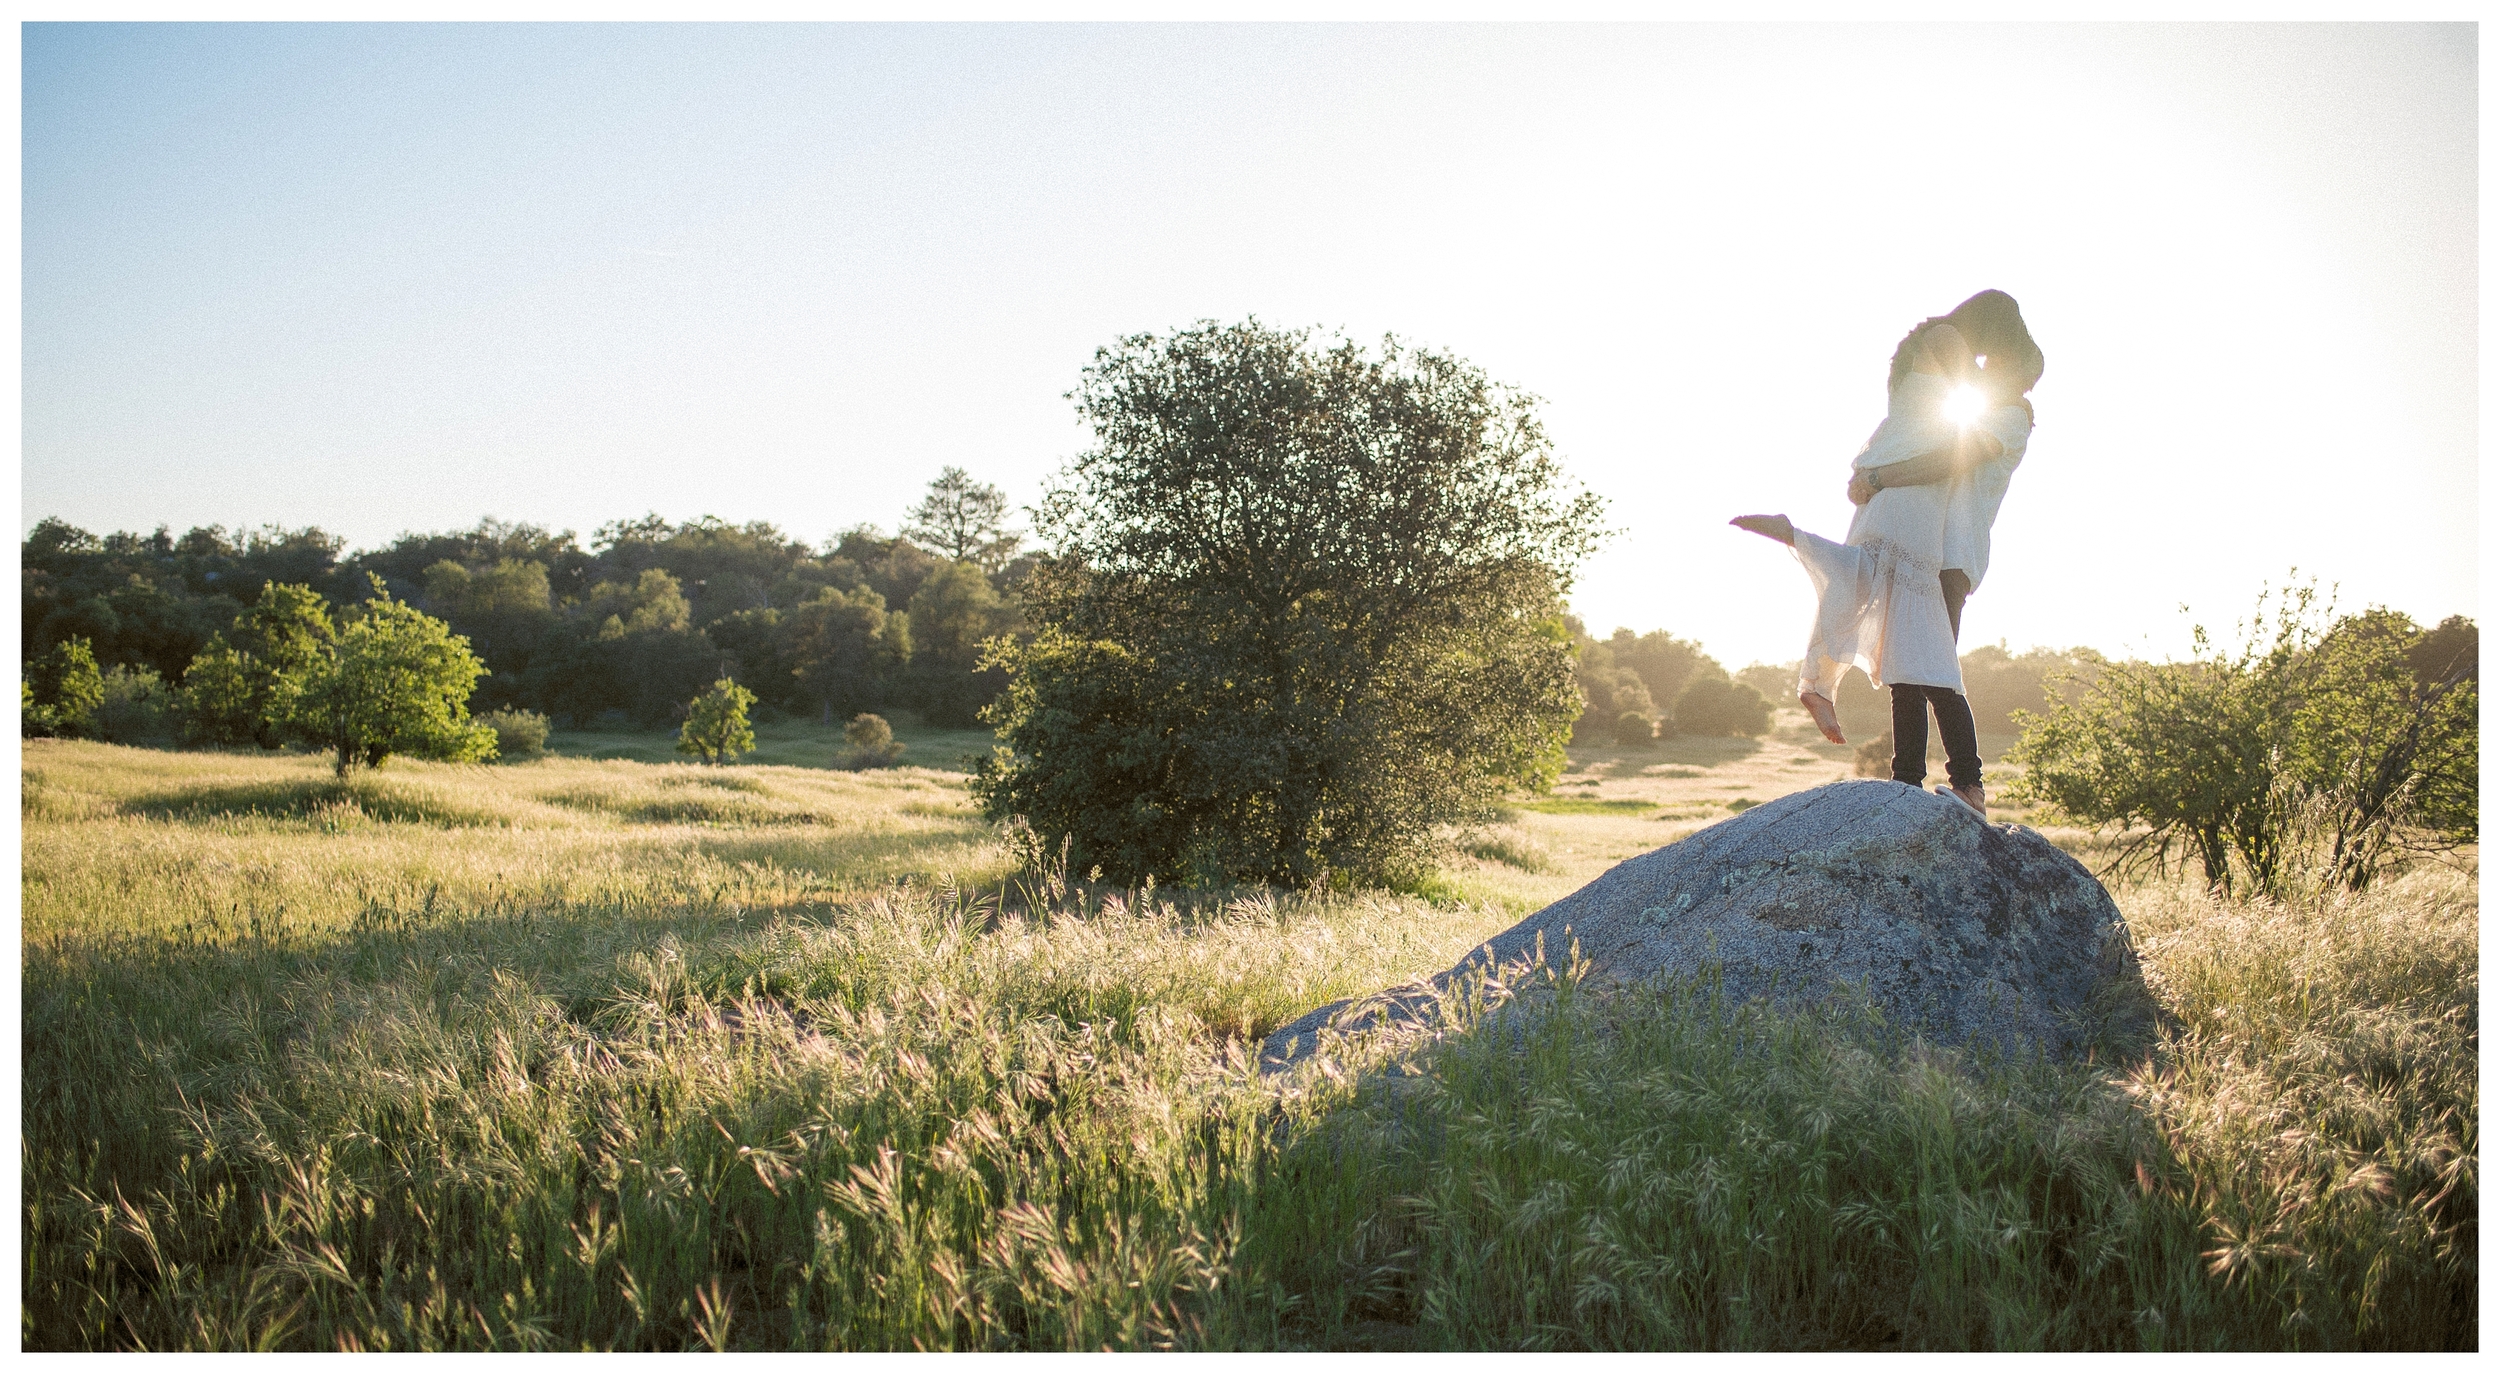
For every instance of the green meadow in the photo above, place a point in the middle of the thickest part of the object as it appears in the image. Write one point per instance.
(783, 738)
(605, 1051)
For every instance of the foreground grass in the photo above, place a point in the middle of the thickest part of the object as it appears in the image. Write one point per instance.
(2293, 1166)
(605, 1055)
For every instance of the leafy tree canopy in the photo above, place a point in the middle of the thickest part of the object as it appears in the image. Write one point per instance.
(244, 686)
(843, 645)
(152, 601)
(61, 692)
(956, 611)
(722, 568)
(963, 520)
(408, 562)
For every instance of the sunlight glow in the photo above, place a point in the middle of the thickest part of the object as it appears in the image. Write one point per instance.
(748, 243)
(1966, 404)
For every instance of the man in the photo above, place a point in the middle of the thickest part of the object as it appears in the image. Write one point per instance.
(1978, 467)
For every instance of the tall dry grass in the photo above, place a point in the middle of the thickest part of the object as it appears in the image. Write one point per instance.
(555, 1057)
(2292, 1166)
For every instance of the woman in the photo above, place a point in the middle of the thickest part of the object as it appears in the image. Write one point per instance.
(1880, 597)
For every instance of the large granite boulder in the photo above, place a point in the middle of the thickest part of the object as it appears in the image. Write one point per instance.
(1967, 932)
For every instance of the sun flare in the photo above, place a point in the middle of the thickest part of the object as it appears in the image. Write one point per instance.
(1965, 404)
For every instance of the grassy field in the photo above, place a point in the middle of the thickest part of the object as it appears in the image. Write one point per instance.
(603, 1053)
(796, 741)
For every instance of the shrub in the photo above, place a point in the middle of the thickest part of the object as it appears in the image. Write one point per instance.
(519, 735)
(1590, 726)
(1719, 706)
(1632, 728)
(872, 743)
(716, 728)
(2300, 754)
(2383, 748)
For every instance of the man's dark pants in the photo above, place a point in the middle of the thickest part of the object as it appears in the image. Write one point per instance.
(1910, 701)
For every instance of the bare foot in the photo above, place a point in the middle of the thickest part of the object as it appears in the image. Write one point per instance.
(1826, 719)
(1769, 527)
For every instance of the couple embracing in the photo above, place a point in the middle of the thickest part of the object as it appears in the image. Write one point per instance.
(1888, 600)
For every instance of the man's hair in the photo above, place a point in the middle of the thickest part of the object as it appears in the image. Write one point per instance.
(1994, 325)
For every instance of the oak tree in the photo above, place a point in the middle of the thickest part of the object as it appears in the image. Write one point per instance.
(396, 681)
(1303, 608)
(716, 728)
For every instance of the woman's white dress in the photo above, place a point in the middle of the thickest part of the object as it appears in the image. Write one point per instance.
(1879, 598)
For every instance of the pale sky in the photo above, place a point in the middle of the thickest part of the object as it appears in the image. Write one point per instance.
(395, 278)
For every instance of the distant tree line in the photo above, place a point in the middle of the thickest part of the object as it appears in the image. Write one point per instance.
(1998, 682)
(1635, 688)
(629, 629)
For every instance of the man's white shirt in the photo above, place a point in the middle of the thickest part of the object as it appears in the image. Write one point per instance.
(1971, 504)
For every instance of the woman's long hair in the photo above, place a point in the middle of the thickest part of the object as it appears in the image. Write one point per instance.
(1909, 343)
